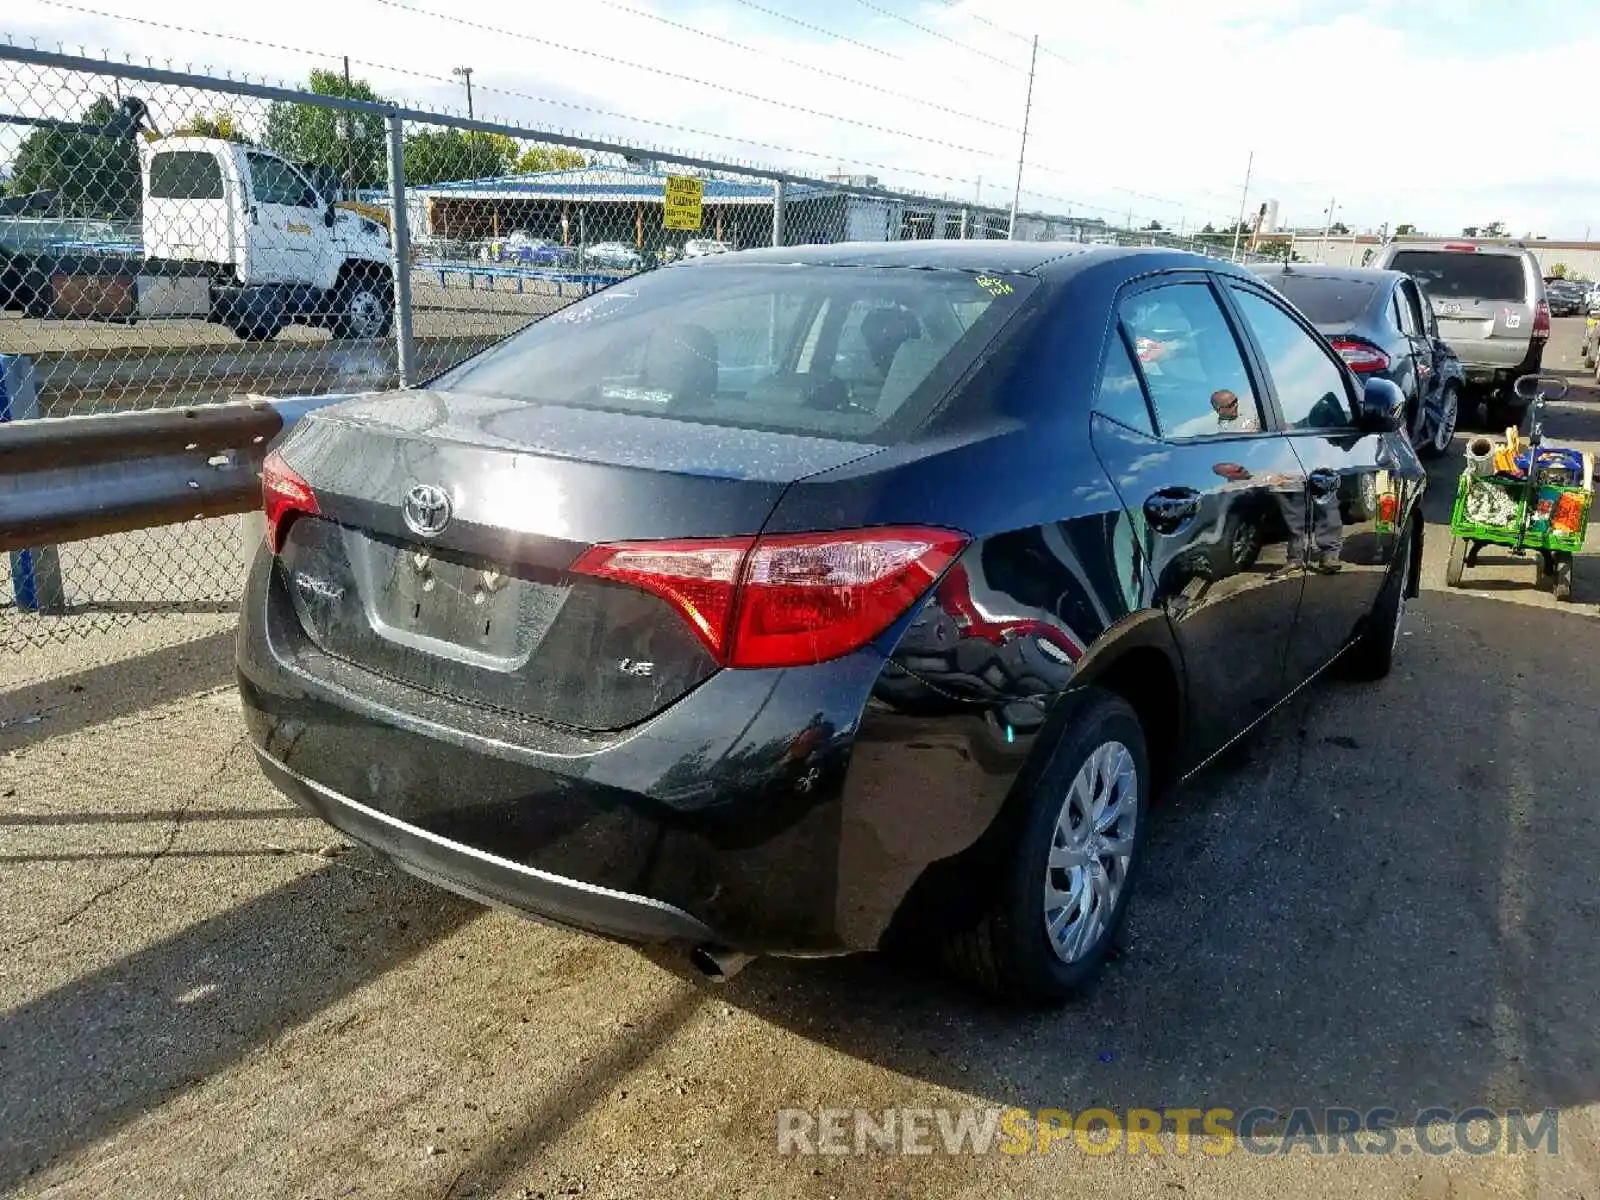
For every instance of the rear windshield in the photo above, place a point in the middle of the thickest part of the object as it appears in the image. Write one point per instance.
(185, 175)
(1463, 275)
(858, 353)
(1326, 301)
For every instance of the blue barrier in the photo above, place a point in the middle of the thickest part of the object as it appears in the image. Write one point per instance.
(586, 281)
(36, 581)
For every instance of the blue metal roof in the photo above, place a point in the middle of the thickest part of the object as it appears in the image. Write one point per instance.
(606, 183)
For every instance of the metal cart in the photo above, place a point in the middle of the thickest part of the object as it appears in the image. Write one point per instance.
(1529, 514)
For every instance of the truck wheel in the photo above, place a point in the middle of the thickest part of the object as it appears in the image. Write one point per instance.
(1563, 579)
(363, 308)
(1457, 566)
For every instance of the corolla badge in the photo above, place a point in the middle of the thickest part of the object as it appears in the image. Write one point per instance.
(426, 510)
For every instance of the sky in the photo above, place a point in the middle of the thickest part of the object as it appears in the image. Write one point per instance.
(1432, 113)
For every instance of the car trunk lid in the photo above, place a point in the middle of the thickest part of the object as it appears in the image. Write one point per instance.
(484, 608)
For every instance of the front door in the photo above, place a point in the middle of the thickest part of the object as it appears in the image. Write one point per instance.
(284, 223)
(1180, 430)
(1356, 483)
(1415, 322)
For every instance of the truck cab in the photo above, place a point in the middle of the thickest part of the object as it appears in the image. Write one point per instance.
(270, 248)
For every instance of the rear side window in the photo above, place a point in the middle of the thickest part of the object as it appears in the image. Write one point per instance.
(185, 175)
(1460, 274)
(1121, 395)
(857, 353)
(1191, 363)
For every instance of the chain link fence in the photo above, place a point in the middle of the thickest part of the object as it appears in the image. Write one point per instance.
(168, 239)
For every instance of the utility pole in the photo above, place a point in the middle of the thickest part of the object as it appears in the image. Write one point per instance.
(1322, 248)
(1022, 150)
(349, 136)
(1244, 198)
(465, 74)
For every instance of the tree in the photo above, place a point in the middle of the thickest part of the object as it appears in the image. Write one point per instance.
(92, 175)
(1403, 230)
(442, 155)
(1340, 228)
(355, 143)
(1153, 227)
(549, 158)
(219, 124)
(1207, 229)
(1470, 231)
(1558, 271)
(1495, 229)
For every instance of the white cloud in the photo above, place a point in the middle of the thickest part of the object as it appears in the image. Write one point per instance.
(1155, 114)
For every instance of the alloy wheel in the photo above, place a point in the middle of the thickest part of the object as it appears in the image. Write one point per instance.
(1091, 850)
(1445, 428)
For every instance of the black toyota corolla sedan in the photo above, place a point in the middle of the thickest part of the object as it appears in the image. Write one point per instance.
(817, 600)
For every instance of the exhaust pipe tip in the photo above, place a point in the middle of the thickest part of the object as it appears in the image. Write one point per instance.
(717, 965)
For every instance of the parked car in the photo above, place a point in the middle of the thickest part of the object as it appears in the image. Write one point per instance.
(700, 247)
(613, 256)
(1592, 299)
(1491, 306)
(1382, 325)
(1567, 298)
(814, 600)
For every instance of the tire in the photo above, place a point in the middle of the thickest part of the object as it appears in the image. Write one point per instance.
(1371, 655)
(1439, 428)
(363, 307)
(1562, 586)
(1009, 949)
(1457, 565)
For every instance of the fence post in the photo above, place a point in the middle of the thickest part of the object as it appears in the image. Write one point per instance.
(966, 224)
(777, 212)
(400, 229)
(36, 572)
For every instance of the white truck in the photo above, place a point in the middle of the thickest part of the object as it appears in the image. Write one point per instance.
(239, 235)
(227, 232)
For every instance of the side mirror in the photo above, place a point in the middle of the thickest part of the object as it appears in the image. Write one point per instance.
(1382, 408)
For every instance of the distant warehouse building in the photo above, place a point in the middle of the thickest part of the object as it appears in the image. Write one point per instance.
(587, 205)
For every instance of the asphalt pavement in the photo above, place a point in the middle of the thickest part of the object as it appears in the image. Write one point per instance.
(1385, 899)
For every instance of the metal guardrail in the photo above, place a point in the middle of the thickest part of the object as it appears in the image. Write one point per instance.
(74, 478)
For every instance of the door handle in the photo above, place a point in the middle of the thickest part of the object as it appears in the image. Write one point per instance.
(1324, 481)
(1169, 508)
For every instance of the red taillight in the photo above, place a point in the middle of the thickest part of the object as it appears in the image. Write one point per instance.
(283, 493)
(1470, 247)
(1541, 320)
(787, 599)
(1363, 357)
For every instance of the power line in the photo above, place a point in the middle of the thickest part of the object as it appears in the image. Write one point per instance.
(749, 49)
(1025, 38)
(511, 92)
(664, 73)
(943, 37)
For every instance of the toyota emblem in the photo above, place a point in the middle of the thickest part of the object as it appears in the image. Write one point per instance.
(426, 510)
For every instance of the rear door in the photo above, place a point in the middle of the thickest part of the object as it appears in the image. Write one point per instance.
(1348, 528)
(1179, 429)
(1409, 316)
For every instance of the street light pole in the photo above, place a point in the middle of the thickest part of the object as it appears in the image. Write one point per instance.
(1022, 150)
(1244, 198)
(1327, 228)
(465, 75)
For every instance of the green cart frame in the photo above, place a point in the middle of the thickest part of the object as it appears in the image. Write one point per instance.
(1552, 549)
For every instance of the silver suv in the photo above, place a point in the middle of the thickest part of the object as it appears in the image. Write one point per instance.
(1491, 305)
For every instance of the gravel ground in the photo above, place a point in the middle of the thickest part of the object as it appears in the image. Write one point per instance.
(1385, 898)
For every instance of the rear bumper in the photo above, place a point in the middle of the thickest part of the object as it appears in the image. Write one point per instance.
(488, 878)
(1491, 362)
(774, 812)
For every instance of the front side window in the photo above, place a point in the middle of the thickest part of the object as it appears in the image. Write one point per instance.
(847, 352)
(1310, 384)
(1192, 366)
(273, 181)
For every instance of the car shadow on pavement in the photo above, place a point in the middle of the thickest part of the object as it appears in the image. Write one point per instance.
(67, 703)
(92, 1055)
(1383, 899)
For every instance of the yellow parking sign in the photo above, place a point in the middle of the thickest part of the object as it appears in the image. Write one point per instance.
(683, 202)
